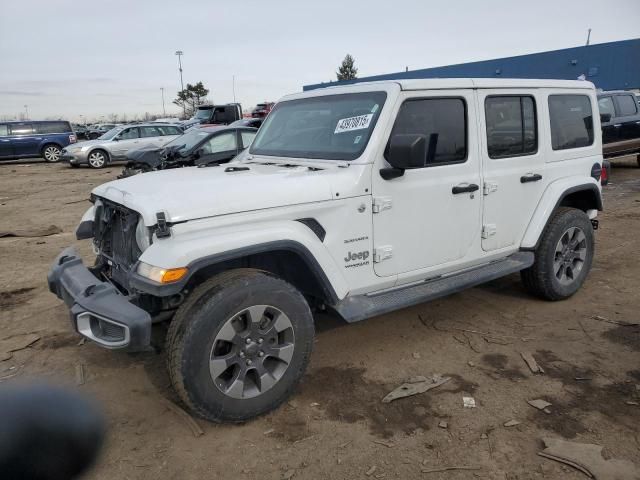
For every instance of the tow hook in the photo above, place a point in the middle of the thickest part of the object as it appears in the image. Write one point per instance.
(594, 223)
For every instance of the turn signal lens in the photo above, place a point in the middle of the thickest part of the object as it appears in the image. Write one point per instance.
(161, 275)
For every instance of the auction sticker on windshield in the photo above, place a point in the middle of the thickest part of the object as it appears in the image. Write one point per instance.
(353, 123)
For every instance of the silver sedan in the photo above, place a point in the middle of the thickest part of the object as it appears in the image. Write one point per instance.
(114, 144)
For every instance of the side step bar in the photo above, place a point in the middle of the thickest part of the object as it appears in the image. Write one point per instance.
(360, 307)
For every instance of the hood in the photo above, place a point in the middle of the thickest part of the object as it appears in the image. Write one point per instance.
(192, 192)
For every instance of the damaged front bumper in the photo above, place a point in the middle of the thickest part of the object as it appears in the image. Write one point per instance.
(98, 310)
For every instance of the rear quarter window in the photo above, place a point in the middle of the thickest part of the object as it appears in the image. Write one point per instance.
(571, 120)
(52, 127)
(627, 105)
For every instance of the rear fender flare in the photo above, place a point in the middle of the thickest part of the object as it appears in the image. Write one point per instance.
(551, 199)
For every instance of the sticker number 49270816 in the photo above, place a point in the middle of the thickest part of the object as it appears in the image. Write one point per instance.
(353, 123)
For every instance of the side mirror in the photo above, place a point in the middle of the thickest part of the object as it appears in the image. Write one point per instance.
(605, 117)
(405, 152)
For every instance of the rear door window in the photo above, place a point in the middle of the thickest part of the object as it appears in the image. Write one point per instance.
(511, 126)
(21, 129)
(221, 143)
(169, 130)
(627, 105)
(571, 121)
(149, 132)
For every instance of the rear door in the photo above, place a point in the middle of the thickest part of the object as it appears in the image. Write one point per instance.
(429, 217)
(222, 147)
(25, 142)
(513, 164)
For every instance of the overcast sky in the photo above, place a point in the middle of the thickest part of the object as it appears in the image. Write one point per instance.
(71, 58)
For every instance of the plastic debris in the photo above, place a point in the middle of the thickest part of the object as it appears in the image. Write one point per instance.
(511, 423)
(531, 362)
(415, 388)
(469, 402)
(587, 458)
(443, 424)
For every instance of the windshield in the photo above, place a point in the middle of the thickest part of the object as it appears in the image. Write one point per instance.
(331, 127)
(188, 140)
(203, 113)
(110, 134)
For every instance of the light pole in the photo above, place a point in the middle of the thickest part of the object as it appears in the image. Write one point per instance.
(164, 112)
(234, 88)
(179, 53)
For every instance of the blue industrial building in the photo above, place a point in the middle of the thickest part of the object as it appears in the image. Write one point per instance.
(610, 66)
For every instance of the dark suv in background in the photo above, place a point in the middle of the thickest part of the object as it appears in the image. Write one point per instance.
(620, 118)
(34, 139)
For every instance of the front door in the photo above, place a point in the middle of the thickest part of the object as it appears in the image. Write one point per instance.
(126, 140)
(513, 164)
(430, 216)
(6, 148)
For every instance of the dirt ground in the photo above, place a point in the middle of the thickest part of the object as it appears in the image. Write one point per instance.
(335, 427)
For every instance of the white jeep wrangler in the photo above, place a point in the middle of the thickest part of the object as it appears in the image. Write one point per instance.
(359, 199)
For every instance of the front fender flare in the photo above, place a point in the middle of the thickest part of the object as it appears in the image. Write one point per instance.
(551, 199)
(233, 244)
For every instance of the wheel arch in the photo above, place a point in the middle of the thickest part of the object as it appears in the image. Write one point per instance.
(287, 259)
(49, 142)
(585, 196)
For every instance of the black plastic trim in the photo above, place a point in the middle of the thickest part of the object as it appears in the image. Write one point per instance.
(569, 191)
(159, 290)
(314, 226)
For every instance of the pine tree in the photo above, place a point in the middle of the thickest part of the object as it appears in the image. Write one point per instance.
(347, 71)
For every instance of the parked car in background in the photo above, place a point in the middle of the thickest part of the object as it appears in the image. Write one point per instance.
(116, 143)
(620, 118)
(99, 129)
(215, 114)
(198, 146)
(80, 131)
(248, 122)
(33, 139)
(262, 109)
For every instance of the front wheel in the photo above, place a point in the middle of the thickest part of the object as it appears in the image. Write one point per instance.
(51, 153)
(563, 257)
(97, 159)
(239, 345)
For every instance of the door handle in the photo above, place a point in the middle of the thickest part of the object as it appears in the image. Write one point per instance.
(465, 188)
(531, 177)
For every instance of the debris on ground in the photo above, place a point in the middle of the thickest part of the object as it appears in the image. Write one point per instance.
(369, 472)
(415, 387)
(511, 423)
(469, 402)
(188, 419)
(622, 323)
(446, 469)
(531, 362)
(31, 232)
(443, 424)
(79, 374)
(540, 405)
(587, 458)
(385, 443)
(15, 343)
(288, 475)
(416, 355)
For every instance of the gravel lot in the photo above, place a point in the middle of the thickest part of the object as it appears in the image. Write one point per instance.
(335, 426)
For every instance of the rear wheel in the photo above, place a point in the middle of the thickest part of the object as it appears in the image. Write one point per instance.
(51, 153)
(97, 159)
(563, 256)
(239, 345)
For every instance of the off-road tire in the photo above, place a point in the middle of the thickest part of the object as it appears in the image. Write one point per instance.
(201, 317)
(539, 279)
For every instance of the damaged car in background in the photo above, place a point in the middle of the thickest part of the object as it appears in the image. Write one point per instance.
(197, 147)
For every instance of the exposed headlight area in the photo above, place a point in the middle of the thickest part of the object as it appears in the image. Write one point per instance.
(161, 275)
(143, 236)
